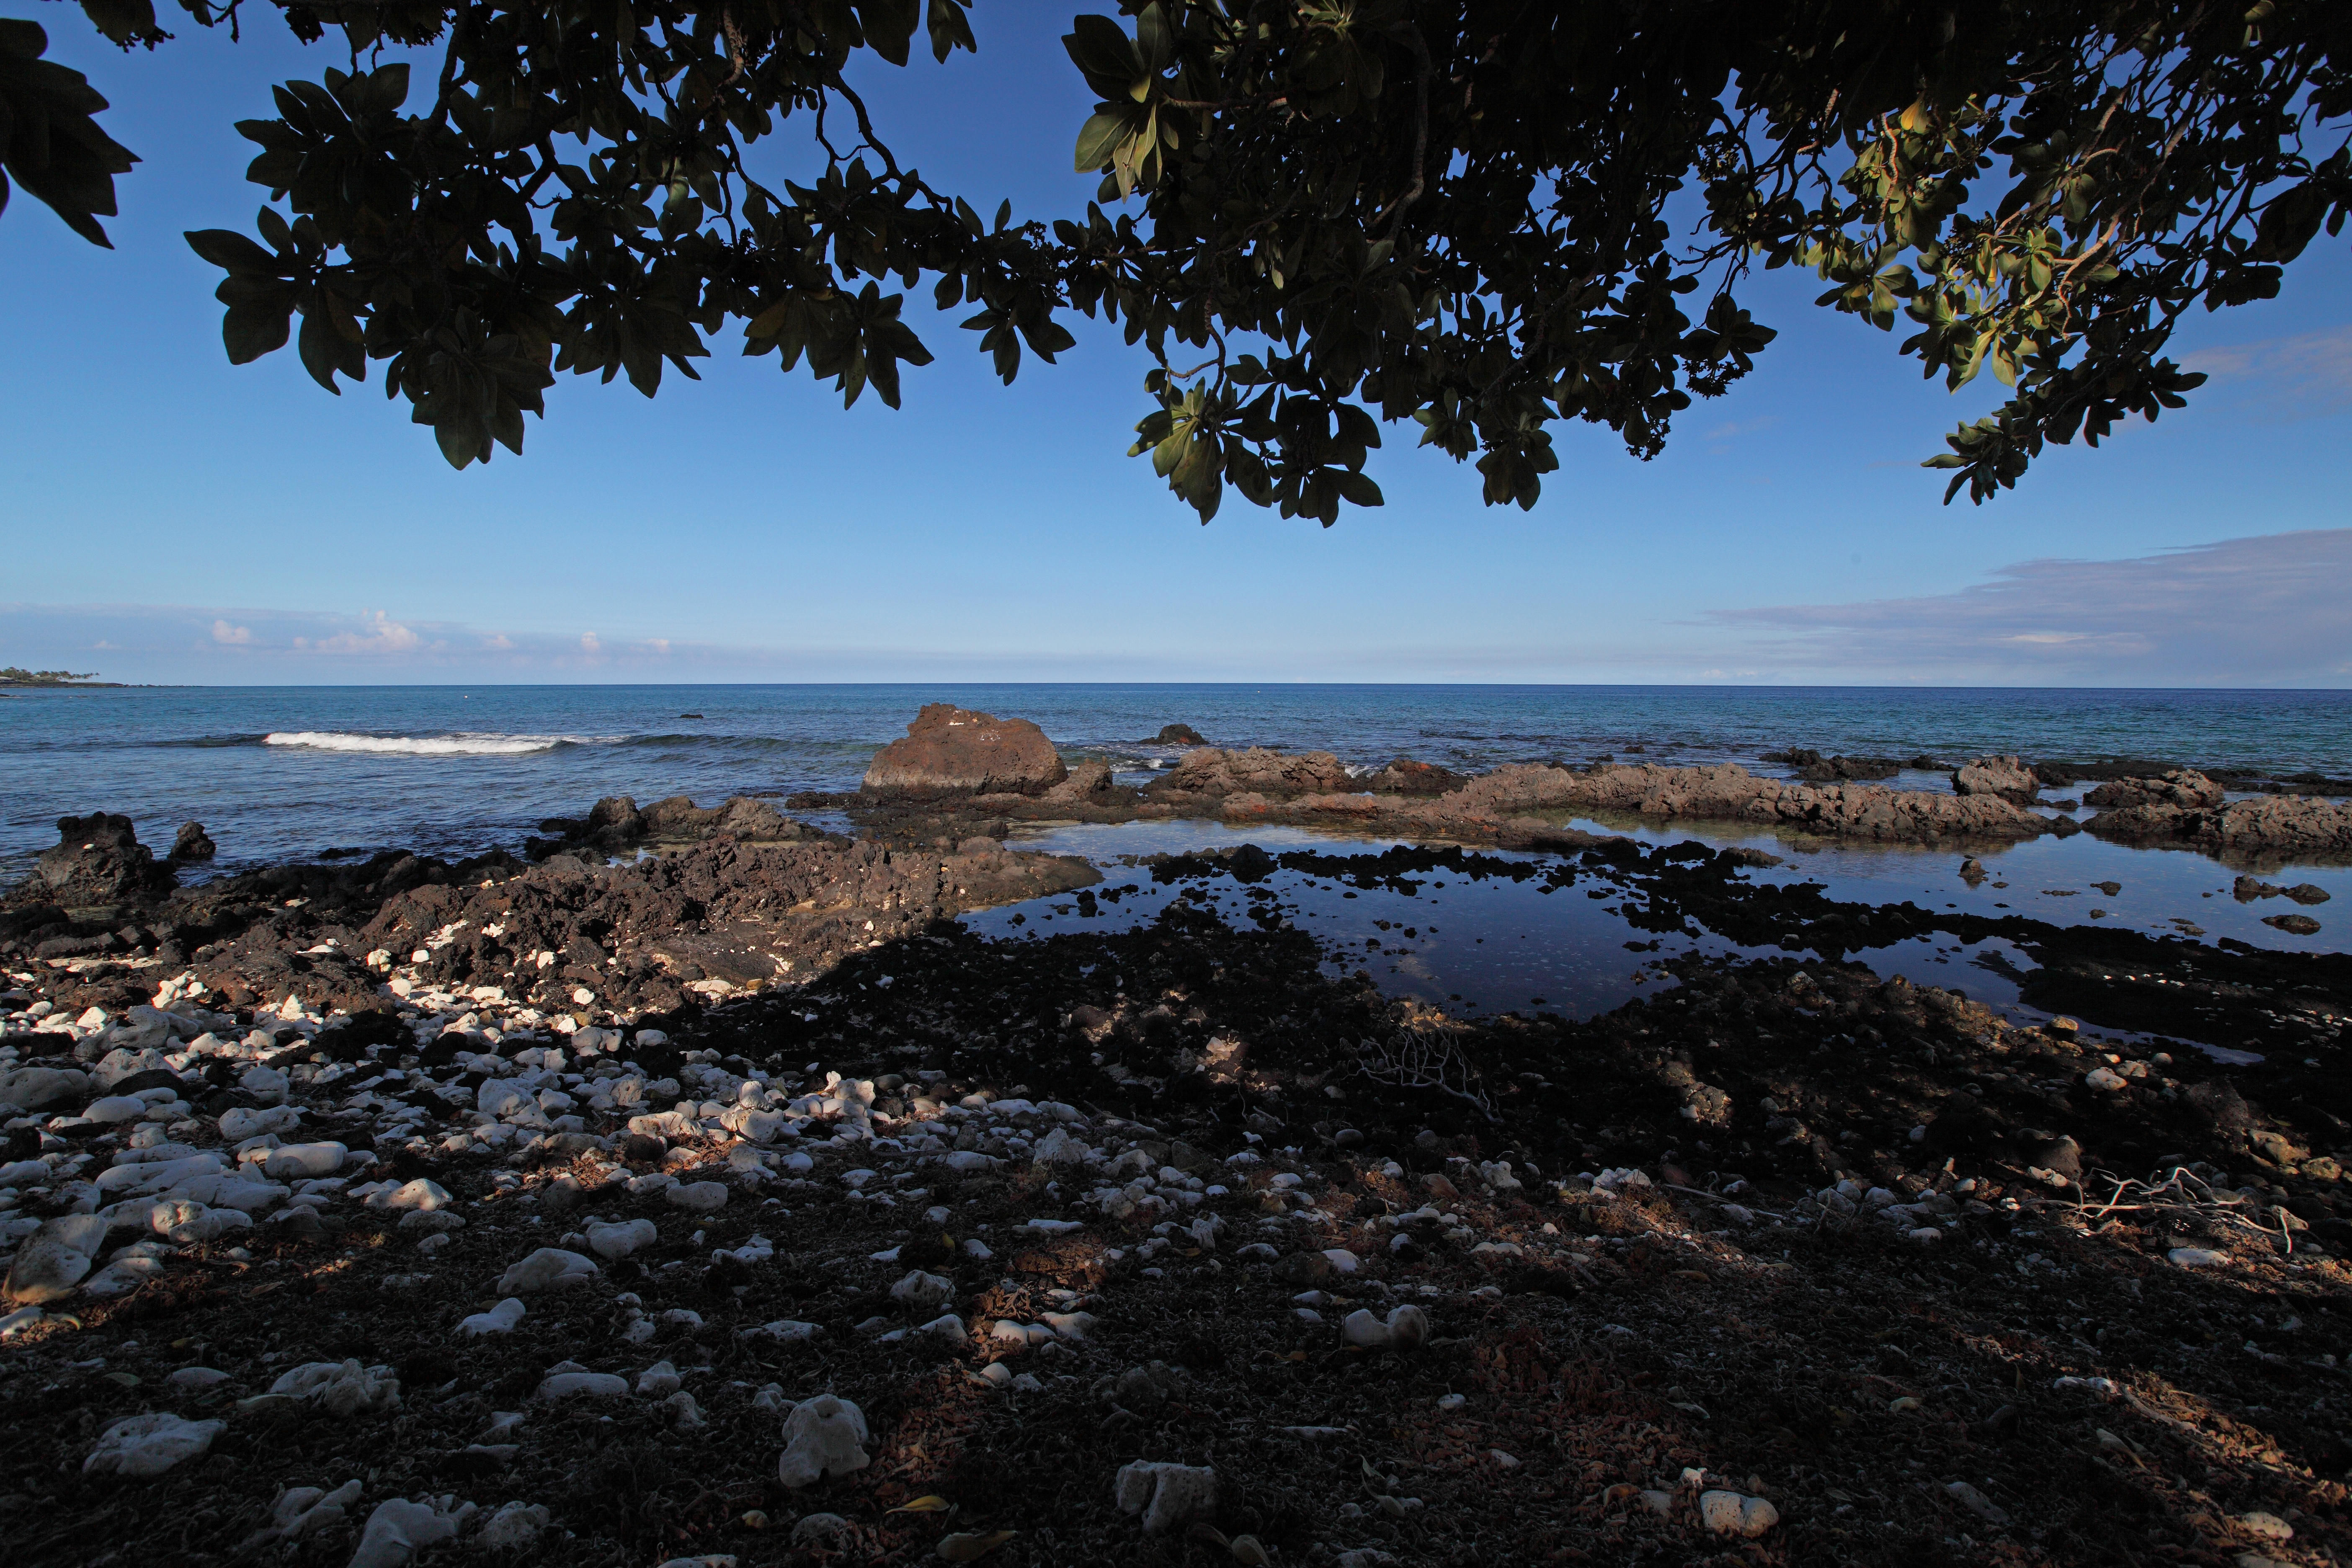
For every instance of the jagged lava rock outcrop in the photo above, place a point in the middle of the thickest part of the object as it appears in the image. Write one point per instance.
(2265, 825)
(99, 861)
(2006, 778)
(1214, 771)
(1730, 793)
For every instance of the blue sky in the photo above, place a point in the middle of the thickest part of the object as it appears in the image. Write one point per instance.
(167, 517)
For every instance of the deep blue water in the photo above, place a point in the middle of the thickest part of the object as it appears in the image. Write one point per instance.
(452, 770)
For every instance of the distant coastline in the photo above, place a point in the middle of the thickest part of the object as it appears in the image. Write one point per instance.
(53, 679)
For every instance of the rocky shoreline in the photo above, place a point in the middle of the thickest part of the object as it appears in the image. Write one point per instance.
(696, 1191)
(930, 784)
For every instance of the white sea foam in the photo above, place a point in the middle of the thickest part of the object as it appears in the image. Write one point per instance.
(416, 746)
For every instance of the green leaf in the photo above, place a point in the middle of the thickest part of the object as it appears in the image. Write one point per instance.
(251, 331)
(233, 252)
(1099, 47)
(125, 22)
(1102, 132)
(890, 26)
(951, 29)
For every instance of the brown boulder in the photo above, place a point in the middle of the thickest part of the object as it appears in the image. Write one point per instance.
(949, 749)
(1091, 779)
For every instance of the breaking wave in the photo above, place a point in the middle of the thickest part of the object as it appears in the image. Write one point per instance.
(419, 746)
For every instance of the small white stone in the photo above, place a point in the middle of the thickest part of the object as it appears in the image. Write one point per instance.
(299, 1510)
(183, 1223)
(499, 1319)
(616, 1241)
(196, 1378)
(2196, 1257)
(919, 1291)
(825, 1435)
(149, 1445)
(422, 1193)
(548, 1269)
(397, 1530)
(1169, 1496)
(702, 1197)
(59, 1256)
(268, 1085)
(1728, 1513)
(574, 1384)
(946, 1326)
(298, 1161)
(659, 1381)
(341, 1388)
(513, 1527)
(1404, 1329)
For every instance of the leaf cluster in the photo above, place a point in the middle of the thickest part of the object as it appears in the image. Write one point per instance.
(1318, 217)
(50, 143)
(572, 194)
(1487, 215)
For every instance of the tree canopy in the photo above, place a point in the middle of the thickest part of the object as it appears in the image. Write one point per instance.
(1316, 216)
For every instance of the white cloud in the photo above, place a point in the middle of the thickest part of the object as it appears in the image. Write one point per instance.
(2270, 610)
(589, 645)
(2279, 380)
(231, 636)
(376, 634)
(498, 642)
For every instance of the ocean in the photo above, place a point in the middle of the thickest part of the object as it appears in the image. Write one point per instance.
(279, 772)
(291, 772)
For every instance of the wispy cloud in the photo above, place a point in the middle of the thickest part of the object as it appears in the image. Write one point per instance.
(2270, 610)
(2309, 376)
(237, 645)
(376, 634)
(177, 642)
(1720, 437)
